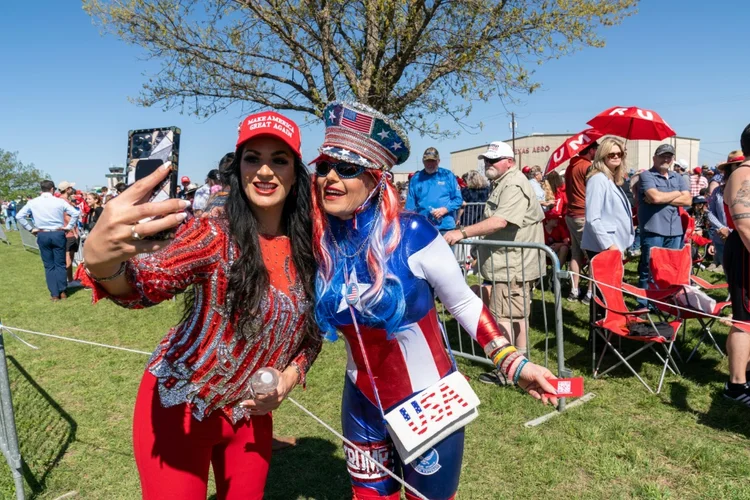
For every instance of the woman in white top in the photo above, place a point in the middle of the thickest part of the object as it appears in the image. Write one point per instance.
(609, 220)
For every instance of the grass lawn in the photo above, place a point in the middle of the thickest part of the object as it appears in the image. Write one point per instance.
(74, 405)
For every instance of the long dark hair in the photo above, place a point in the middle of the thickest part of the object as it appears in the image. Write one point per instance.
(248, 277)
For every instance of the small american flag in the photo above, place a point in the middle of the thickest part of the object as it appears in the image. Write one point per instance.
(356, 121)
(352, 294)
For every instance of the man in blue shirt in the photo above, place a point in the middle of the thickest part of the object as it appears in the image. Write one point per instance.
(10, 220)
(49, 228)
(661, 192)
(434, 193)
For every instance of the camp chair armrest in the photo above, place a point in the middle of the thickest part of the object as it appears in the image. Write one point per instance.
(640, 292)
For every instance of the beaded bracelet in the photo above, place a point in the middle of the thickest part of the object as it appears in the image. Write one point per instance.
(107, 278)
(518, 370)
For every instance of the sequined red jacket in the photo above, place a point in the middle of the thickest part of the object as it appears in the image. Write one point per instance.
(204, 360)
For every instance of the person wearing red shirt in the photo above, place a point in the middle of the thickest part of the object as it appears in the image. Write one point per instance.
(556, 237)
(251, 275)
(575, 189)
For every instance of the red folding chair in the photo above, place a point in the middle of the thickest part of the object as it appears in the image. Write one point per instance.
(670, 270)
(607, 272)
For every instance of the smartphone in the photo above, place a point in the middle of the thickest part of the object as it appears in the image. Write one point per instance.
(148, 149)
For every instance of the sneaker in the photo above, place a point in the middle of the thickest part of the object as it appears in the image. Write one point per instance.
(741, 396)
(494, 379)
(573, 297)
(586, 299)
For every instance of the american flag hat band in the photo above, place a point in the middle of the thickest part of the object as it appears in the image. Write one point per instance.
(361, 135)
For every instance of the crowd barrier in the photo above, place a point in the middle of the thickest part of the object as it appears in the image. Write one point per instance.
(3, 237)
(28, 240)
(8, 435)
(543, 319)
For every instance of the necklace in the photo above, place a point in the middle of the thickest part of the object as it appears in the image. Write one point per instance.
(369, 233)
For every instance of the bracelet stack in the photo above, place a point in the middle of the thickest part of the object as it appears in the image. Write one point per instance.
(509, 362)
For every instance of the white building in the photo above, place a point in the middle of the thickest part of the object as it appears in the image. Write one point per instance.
(535, 149)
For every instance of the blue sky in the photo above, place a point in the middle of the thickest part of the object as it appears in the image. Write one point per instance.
(64, 89)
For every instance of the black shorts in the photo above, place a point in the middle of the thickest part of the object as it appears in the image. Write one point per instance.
(71, 244)
(737, 270)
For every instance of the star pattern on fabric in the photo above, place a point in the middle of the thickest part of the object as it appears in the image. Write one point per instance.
(396, 146)
(327, 148)
(383, 134)
(331, 115)
(361, 288)
(345, 152)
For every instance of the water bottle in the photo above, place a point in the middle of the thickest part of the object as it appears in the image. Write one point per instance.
(264, 381)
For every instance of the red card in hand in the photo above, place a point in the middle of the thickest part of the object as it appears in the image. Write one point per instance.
(568, 387)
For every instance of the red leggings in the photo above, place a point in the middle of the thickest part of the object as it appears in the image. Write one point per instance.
(173, 450)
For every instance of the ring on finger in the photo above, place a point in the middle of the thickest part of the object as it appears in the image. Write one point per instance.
(134, 234)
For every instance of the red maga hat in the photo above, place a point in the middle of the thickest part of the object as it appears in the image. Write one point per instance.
(273, 124)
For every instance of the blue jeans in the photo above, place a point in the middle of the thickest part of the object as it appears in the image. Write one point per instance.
(648, 241)
(719, 247)
(11, 222)
(636, 240)
(52, 250)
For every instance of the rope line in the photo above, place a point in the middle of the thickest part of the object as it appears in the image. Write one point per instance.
(365, 455)
(655, 301)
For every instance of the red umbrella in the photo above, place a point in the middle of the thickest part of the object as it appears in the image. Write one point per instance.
(632, 123)
(571, 147)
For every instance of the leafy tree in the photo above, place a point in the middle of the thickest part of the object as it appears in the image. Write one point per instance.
(416, 60)
(16, 178)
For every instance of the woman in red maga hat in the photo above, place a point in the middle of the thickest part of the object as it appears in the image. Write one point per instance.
(251, 272)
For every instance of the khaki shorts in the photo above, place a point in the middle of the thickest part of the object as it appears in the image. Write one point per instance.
(510, 300)
(575, 228)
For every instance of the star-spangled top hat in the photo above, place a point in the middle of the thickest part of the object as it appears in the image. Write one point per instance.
(358, 134)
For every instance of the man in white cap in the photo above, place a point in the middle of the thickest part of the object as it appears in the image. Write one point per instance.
(512, 213)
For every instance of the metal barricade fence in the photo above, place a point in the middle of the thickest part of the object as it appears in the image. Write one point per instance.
(471, 213)
(8, 435)
(507, 305)
(28, 240)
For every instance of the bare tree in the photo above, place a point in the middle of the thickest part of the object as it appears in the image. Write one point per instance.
(416, 60)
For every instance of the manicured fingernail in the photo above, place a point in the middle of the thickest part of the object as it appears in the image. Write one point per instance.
(181, 216)
(185, 203)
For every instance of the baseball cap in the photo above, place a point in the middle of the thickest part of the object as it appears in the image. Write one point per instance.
(273, 124)
(664, 149)
(431, 154)
(497, 150)
(185, 180)
(697, 170)
(525, 170)
(699, 199)
(683, 164)
(65, 185)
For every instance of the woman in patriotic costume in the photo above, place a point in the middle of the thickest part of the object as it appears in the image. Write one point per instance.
(379, 269)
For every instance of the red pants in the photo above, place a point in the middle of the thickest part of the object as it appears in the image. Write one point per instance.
(173, 450)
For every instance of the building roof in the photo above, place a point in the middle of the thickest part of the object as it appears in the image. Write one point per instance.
(567, 134)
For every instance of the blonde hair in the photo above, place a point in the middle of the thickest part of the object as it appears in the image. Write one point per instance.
(605, 147)
(475, 180)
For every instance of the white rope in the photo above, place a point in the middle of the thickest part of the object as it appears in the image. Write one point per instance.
(305, 410)
(668, 304)
(77, 340)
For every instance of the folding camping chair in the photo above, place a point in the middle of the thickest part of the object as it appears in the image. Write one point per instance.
(670, 270)
(607, 272)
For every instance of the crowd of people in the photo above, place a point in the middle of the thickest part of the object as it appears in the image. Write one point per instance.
(274, 257)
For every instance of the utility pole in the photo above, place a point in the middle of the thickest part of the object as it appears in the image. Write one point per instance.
(513, 126)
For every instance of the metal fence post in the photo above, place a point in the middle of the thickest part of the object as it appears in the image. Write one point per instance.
(557, 275)
(8, 435)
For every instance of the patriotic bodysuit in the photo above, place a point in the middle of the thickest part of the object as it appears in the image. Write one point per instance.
(410, 360)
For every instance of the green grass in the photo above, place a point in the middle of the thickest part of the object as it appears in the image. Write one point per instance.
(74, 406)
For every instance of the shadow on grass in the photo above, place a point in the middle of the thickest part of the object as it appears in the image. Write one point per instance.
(45, 429)
(309, 470)
(722, 414)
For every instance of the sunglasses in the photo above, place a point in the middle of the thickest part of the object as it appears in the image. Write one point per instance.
(344, 169)
(612, 156)
(489, 161)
